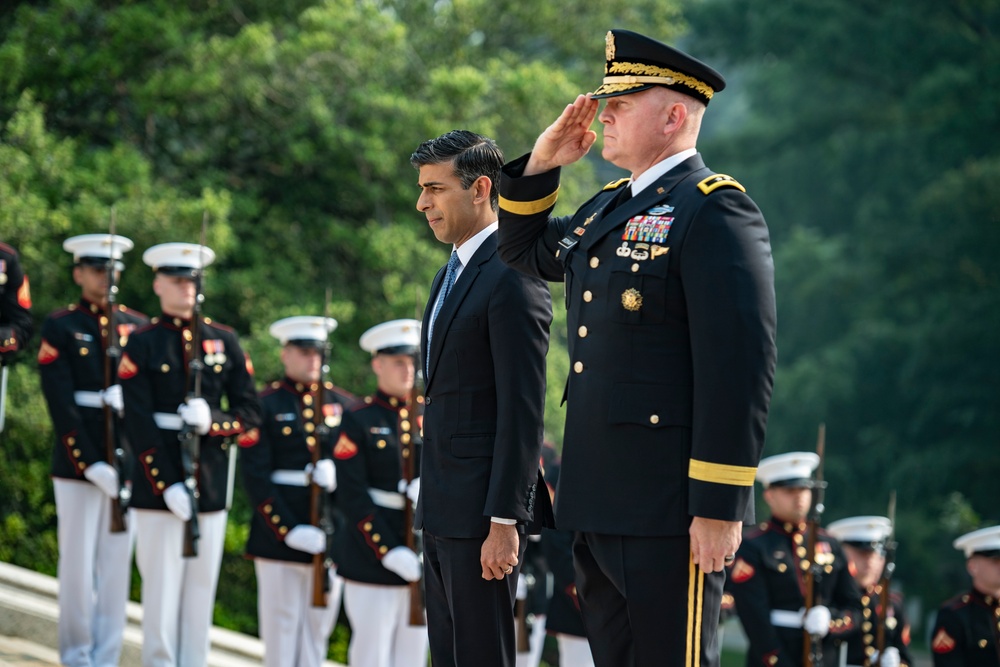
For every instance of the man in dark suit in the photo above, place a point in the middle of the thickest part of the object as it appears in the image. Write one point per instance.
(670, 305)
(484, 337)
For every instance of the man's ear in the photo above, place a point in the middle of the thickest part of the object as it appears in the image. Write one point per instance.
(482, 187)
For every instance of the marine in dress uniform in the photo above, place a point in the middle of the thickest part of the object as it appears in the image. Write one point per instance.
(278, 472)
(380, 434)
(16, 326)
(864, 540)
(768, 576)
(95, 564)
(967, 630)
(178, 593)
(671, 317)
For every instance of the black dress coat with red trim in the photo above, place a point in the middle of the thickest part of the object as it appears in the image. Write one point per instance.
(282, 442)
(671, 342)
(767, 575)
(370, 457)
(153, 374)
(967, 631)
(71, 358)
(16, 325)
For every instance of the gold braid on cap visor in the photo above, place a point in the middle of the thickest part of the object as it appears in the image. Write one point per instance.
(635, 74)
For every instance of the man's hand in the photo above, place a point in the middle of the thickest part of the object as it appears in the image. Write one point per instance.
(178, 501)
(499, 553)
(712, 541)
(103, 476)
(566, 140)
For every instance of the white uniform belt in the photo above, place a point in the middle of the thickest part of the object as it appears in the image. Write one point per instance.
(168, 421)
(290, 477)
(785, 618)
(387, 499)
(88, 399)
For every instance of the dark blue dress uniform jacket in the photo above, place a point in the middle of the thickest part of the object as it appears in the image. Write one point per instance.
(153, 378)
(861, 647)
(16, 325)
(967, 632)
(71, 358)
(671, 343)
(284, 441)
(371, 458)
(768, 575)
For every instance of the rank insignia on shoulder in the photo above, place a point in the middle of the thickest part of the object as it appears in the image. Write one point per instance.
(713, 183)
(613, 185)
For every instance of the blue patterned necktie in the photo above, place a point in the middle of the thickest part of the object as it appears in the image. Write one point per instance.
(449, 280)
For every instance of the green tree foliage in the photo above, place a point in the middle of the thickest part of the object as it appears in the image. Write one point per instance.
(868, 133)
(291, 124)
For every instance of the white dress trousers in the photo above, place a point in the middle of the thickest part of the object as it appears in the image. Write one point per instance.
(295, 634)
(381, 634)
(94, 575)
(178, 594)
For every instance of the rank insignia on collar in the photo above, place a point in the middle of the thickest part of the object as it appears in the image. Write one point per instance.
(632, 300)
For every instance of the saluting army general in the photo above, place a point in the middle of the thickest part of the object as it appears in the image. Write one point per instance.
(967, 630)
(381, 434)
(767, 577)
(157, 378)
(864, 540)
(95, 564)
(16, 325)
(671, 315)
(279, 476)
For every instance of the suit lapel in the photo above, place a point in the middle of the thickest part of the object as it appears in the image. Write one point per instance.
(650, 196)
(458, 293)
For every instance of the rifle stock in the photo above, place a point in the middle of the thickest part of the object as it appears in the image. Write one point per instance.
(812, 646)
(885, 581)
(320, 580)
(522, 633)
(189, 438)
(114, 454)
(408, 453)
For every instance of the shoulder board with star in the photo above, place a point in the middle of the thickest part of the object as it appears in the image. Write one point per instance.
(716, 181)
(614, 185)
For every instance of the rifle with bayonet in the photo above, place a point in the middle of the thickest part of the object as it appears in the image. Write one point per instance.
(317, 495)
(812, 645)
(885, 581)
(112, 354)
(190, 440)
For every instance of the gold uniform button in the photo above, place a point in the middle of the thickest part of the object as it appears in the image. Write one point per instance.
(405, 438)
(383, 549)
(380, 444)
(236, 424)
(800, 552)
(578, 367)
(155, 472)
(828, 569)
(81, 465)
(635, 268)
(368, 526)
(307, 399)
(405, 453)
(594, 262)
(804, 565)
(866, 626)
(310, 427)
(376, 538)
(773, 660)
(149, 459)
(84, 351)
(582, 331)
(307, 413)
(867, 613)
(76, 453)
(215, 426)
(404, 414)
(226, 426)
(275, 519)
(160, 485)
(865, 599)
(311, 440)
(283, 530)
(654, 419)
(588, 296)
(217, 368)
(103, 321)
(404, 424)
(982, 643)
(165, 368)
(782, 567)
(287, 430)
(797, 538)
(267, 509)
(393, 401)
(71, 441)
(187, 335)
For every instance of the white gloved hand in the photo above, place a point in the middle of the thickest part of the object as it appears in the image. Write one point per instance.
(403, 562)
(309, 539)
(413, 490)
(890, 659)
(817, 621)
(196, 413)
(522, 587)
(112, 397)
(324, 475)
(178, 500)
(103, 476)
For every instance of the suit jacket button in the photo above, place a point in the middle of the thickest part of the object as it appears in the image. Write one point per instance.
(427, 400)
